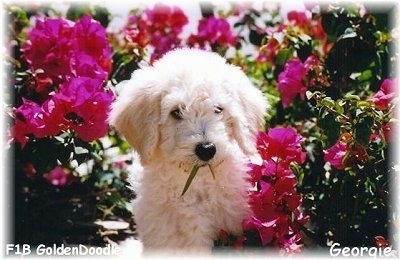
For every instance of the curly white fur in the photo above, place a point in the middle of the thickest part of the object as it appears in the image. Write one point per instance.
(217, 104)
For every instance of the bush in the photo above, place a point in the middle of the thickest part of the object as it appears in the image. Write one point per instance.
(327, 72)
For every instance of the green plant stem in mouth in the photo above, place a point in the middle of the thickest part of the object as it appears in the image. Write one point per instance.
(193, 173)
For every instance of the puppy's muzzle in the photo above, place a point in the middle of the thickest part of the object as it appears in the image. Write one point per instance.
(205, 151)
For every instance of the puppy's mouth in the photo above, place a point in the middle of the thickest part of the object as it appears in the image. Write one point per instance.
(194, 171)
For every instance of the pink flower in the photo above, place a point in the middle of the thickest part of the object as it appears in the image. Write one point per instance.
(60, 49)
(283, 143)
(49, 48)
(85, 105)
(265, 229)
(87, 66)
(290, 81)
(214, 31)
(385, 95)
(29, 120)
(58, 176)
(159, 27)
(91, 38)
(90, 41)
(81, 105)
(311, 62)
(137, 31)
(335, 154)
(163, 17)
(166, 23)
(298, 18)
(275, 203)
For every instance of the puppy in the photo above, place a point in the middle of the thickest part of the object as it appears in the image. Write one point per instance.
(190, 108)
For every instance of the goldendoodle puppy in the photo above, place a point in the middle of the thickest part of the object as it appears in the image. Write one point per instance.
(190, 114)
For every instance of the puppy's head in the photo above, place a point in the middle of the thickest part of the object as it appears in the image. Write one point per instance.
(189, 107)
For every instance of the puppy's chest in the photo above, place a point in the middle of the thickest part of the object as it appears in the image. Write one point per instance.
(204, 194)
(204, 202)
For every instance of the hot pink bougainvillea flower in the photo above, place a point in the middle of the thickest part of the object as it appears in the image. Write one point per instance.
(74, 59)
(291, 81)
(335, 154)
(61, 49)
(58, 176)
(81, 105)
(385, 95)
(49, 48)
(29, 120)
(158, 27)
(275, 203)
(283, 143)
(213, 30)
(81, 99)
(298, 18)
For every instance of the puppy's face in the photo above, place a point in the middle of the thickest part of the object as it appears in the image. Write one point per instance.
(190, 107)
(196, 124)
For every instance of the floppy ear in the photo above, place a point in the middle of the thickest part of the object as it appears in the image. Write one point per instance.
(247, 116)
(136, 113)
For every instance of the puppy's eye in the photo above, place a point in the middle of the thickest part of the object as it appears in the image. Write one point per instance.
(177, 114)
(218, 109)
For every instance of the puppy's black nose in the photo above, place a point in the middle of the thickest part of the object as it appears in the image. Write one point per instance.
(205, 151)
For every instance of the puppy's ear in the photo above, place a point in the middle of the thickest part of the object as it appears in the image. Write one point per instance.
(248, 113)
(136, 113)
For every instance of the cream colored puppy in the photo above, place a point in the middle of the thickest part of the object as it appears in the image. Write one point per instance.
(189, 108)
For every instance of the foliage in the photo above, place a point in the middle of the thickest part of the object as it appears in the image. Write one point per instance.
(326, 71)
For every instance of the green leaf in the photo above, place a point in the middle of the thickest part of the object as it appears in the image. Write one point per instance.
(330, 127)
(192, 174)
(363, 130)
(76, 11)
(352, 97)
(365, 75)
(328, 102)
(20, 18)
(212, 171)
(282, 56)
(339, 107)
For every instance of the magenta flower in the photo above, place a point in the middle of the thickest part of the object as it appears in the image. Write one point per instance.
(163, 17)
(71, 62)
(214, 31)
(29, 118)
(90, 38)
(298, 18)
(49, 48)
(385, 95)
(158, 27)
(290, 81)
(275, 203)
(58, 176)
(265, 229)
(81, 105)
(61, 49)
(335, 154)
(137, 31)
(283, 143)
(85, 105)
